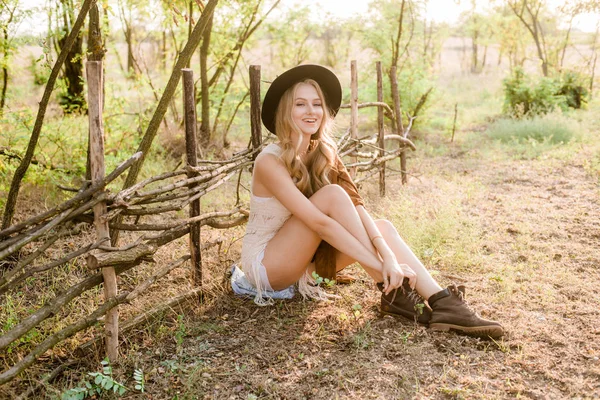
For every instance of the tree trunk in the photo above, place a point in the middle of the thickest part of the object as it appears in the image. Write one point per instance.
(13, 194)
(205, 132)
(73, 100)
(474, 55)
(168, 93)
(4, 70)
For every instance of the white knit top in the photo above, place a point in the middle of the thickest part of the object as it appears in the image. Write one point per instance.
(267, 216)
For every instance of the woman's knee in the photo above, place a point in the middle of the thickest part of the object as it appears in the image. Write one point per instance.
(385, 227)
(331, 197)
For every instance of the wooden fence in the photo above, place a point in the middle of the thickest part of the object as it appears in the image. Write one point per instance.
(23, 246)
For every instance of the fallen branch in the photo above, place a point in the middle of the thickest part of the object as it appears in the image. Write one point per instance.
(5, 284)
(38, 232)
(74, 201)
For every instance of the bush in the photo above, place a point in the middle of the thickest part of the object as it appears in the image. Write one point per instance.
(525, 97)
(522, 97)
(542, 129)
(572, 86)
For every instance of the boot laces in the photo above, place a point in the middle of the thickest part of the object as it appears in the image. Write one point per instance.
(414, 297)
(461, 296)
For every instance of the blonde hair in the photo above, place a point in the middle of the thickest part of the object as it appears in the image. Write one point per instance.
(313, 175)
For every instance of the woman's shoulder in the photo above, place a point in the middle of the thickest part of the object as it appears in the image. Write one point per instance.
(272, 148)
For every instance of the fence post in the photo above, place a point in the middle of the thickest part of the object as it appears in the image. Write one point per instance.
(255, 125)
(398, 115)
(96, 140)
(380, 128)
(353, 110)
(191, 149)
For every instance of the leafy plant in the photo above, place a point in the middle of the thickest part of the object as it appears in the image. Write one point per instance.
(140, 380)
(319, 280)
(103, 382)
(572, 86)
(523, 97)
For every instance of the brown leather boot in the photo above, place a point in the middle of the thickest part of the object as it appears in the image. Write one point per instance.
(451, 312)
(405, 302)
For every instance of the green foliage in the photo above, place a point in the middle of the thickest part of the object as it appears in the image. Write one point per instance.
(102, 383)
(523, 96)
(140, 380)
(572, 86)
(40, 74)
(319, 280)
(540, 129)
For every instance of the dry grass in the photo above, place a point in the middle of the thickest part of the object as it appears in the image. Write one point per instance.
(519, 226)
(521, 234)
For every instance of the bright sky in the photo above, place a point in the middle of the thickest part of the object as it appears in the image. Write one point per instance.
(437, 10)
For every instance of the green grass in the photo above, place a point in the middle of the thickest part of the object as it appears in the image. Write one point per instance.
(432, 219)
(551, 129)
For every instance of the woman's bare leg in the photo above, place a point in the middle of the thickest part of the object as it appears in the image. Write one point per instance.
(292, 248)
(426, 285)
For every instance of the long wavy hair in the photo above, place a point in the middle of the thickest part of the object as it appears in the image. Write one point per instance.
(322, 150)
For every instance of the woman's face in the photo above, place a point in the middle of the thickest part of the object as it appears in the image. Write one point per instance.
(307, 110)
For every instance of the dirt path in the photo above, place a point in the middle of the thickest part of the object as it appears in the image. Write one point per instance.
(540, 235)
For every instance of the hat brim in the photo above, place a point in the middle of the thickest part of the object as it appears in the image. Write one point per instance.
(327, 80)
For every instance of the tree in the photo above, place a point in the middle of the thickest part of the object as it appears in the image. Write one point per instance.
(232, 29)
(478, 27)
(529, 12)
(10, 17)
(21, 170)
(72, 99)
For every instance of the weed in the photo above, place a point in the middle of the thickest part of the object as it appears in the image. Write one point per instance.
(180, 332)
(362, 339)
(550, 129)
(103, 383)
(319, 280)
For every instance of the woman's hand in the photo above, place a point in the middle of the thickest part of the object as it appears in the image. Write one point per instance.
(393, 275)
(410, 275)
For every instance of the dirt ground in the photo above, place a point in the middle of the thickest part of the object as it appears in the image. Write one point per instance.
(536, 271)
(540, 230)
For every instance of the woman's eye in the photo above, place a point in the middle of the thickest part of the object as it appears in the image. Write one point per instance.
(299, 104)
(317, 105)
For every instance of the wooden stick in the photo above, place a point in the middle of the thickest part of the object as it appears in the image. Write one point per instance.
(378, 103)
(83, 196)
(353, 108)
(454, 124)
(255, 124)
(64, 333)
(380, 128)
(38, 232)
(398, 116)
(52, 307)
(189, 101)
(111, 322)
(145, 317)
(6, 284)
(202, 219)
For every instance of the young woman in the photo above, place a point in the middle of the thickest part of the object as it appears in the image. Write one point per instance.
(302, 196)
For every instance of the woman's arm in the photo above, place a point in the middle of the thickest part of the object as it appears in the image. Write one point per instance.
(272, 175)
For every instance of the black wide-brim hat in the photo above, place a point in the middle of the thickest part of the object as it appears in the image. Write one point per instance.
(327, 80)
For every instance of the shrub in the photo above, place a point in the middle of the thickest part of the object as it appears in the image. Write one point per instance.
(525, 97)
(522, 97)
(572, 86)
